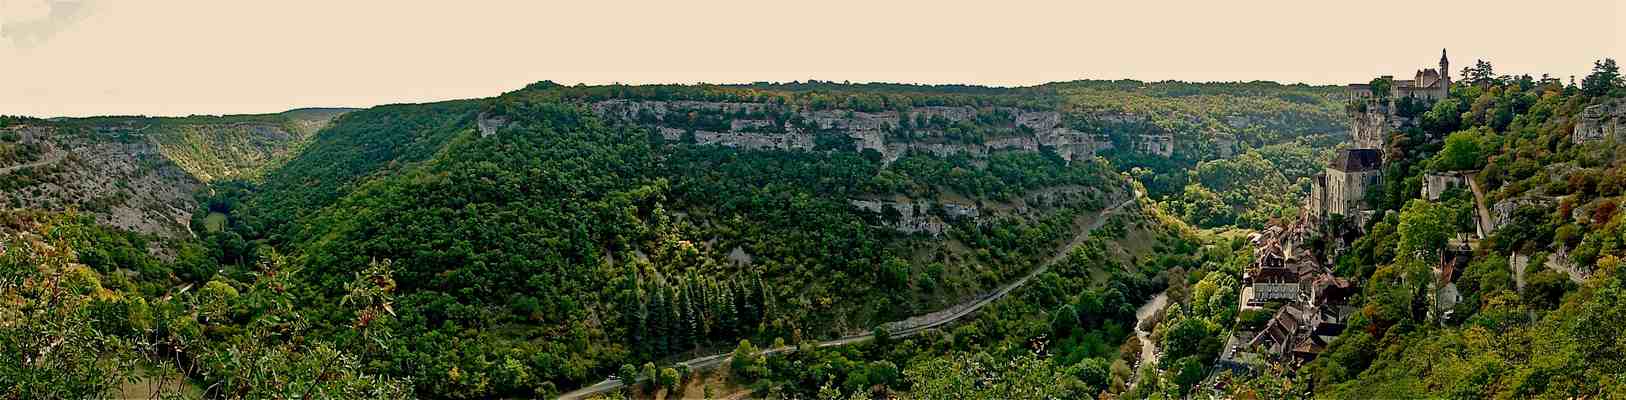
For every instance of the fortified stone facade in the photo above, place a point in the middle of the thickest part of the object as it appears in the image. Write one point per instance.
(1341, 188)
(1427, 84)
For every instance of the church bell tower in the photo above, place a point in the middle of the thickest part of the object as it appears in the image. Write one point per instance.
(1445, 68)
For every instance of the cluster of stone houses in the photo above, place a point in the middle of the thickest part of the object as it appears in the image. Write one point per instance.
(1314, 304)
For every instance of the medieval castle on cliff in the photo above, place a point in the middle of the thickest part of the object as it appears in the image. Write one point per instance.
(1342, 188)
(1288, 270)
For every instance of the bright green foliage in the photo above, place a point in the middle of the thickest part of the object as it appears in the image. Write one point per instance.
(747, 360)
(48, 335)
(1464, 150)
(980, 376)
(82, 339)
(669, 379)
(1424, 230)
(1604, 79)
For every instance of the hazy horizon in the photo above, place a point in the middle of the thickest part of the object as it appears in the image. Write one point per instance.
(175, 57)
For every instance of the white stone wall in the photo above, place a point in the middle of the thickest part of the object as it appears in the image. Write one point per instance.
(1435, 185)
(1275, 291)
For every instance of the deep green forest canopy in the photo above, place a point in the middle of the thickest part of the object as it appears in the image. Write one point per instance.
(416, 251)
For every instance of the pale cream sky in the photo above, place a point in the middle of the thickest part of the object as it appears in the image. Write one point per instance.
(178, 57)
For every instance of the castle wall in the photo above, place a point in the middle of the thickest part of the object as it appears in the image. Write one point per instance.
(1346, 191)
(1317, 202)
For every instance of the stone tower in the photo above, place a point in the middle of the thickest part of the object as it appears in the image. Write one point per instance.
(1445, 69)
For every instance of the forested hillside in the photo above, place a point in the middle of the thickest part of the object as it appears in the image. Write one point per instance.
(536, 242)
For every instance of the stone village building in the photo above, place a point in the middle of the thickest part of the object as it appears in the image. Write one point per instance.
(1427, 84)
(1341, 189)
(1435, 184)
(1315, 303)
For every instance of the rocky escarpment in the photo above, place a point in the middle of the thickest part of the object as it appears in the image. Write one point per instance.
(937, 130)
(141, 174)
(1599, 122)
(918, 217)
(934, 216)
(127, 184)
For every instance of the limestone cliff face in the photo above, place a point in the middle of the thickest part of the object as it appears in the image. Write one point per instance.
(1370, 124)
(934, 216)
(1599, 122)
(911, 217)
(1502, 212)
(127, 184)
(759, 126)
(141, 174)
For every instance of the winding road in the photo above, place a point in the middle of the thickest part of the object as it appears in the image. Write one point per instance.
(897, 329)
(1484, 220)
(49, 159)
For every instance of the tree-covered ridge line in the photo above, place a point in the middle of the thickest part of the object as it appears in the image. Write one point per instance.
(1258, 113)
(558, 246)
(510, 240)
(213, 147)
(1291, 126)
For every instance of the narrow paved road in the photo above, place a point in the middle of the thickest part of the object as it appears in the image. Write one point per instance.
(1484, 220)
(897, 329)
(49, 158)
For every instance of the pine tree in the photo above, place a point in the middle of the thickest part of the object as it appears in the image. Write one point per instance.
(691, 317)
(674, 320)
(635, 310)
(749, 311)
(765, 298)
(658, 322)
(728, 313)
(707, 304)
(681, 341)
